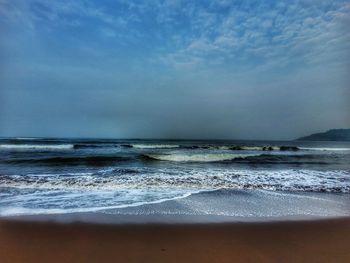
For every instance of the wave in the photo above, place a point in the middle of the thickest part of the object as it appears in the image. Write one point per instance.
(36, 146)
(128, 187)
(249, 158)
(94, 145)
(26, 138)
(198, 157)
(200, 147)
(186, 179)
(153, 146)
(67, 146)
(232, 147)
(16, 211)
(324, 149)
(241, 147)
(264, 148)
(72, 160)
(294, 159)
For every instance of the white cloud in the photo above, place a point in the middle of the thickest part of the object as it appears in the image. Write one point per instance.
(202, 32)
(302, 31)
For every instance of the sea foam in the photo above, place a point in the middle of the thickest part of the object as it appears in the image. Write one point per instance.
(324, 149)
(36, 146)
(154, 146)
(199, 157)
(173, 178)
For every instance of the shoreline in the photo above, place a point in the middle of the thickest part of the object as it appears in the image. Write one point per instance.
(220, 226)
(212, 206)
(91, 218)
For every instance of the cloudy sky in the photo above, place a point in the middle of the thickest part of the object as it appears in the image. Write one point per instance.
(174, 69)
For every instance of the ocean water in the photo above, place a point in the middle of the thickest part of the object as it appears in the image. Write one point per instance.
(47, 176)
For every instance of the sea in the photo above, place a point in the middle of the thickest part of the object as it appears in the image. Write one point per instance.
(54, 176)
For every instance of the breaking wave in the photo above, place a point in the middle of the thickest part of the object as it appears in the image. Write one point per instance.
(126, 187)
(36, 146)
(194, 179)
(154, 146)
(324, 149)
(198, 157)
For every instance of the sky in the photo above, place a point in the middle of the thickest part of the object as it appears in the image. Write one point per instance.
(220, 69)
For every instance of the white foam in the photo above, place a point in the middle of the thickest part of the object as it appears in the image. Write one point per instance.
(81, 192)
(199, 157)
(36, 146)
(324, 149)
(205, 178)
(27, 138)
(17, 211)
(154, 146)
(246, 148)
(65, 174)
(252, 148)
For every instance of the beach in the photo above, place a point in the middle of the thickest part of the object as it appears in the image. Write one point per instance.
(251, 227)
(174, 131)
(174, 201)
(289, 241)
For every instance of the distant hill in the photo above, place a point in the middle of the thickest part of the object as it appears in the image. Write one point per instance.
(331, 135)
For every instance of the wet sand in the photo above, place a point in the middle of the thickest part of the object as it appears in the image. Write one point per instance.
(289, 241)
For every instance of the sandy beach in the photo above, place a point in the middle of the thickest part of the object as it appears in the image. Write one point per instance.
(221, 226)
(172, 131)
(73, 201)
(293, 241)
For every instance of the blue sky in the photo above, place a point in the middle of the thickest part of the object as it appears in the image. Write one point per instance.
(174, 69)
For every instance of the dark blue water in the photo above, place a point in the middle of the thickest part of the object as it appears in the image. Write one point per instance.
(58, 175)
